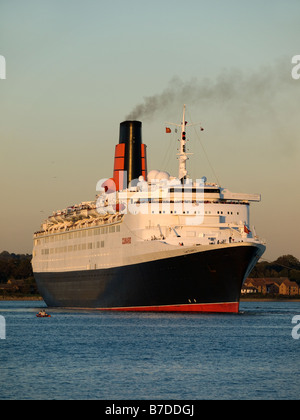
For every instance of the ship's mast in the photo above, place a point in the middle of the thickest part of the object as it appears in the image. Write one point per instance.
(183, 155)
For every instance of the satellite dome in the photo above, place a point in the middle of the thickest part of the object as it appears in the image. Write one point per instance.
(163, 175)
(158, 175)
(152, 175)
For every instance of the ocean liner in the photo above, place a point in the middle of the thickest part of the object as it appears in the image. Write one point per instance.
(149, 241)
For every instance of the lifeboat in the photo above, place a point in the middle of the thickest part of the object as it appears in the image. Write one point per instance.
(42, 314)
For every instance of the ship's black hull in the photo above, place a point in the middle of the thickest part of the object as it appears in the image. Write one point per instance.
(208, 281)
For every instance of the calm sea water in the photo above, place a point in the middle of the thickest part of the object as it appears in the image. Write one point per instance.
(98, 355)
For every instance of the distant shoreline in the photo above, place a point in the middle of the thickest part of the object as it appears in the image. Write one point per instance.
(24, 298)
(270, 300)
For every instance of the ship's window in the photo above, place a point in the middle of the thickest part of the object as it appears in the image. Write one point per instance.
(118, 228)
(102, 244)
(238, 213)
(97, 232)
(83, 247)
(70, 248)
(90, 245)
(83, 233)
(90, 233)
(75, 247)
(111, 229)
(98, 244)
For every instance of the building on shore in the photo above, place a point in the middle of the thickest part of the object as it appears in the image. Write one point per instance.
(270, 286)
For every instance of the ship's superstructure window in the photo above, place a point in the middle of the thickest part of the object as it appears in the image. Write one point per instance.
(76, 235)
(70, 248)
(72, 236)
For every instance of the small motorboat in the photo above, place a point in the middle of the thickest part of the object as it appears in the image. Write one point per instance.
(43, 314)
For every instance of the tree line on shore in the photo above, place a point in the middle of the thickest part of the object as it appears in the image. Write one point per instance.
(285, 266)
(16, 276)
(15, 266)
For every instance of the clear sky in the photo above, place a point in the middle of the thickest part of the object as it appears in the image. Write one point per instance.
(76, 69)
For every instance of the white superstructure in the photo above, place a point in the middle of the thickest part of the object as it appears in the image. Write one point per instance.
(153, 217)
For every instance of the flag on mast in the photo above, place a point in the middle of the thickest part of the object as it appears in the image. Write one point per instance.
(246, 230)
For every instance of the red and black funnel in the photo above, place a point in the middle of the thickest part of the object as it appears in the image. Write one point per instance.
(130, 155)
